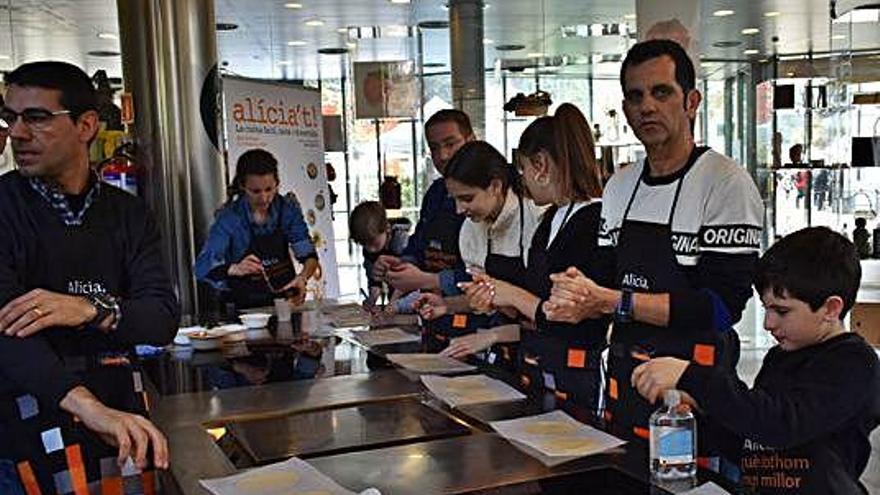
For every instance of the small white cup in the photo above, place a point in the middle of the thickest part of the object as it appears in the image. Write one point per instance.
(282, 309)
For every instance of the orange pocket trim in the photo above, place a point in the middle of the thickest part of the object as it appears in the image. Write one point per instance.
(26, 473)
(642, 433)
(577, 358)
(77, 470)
(704, 354)
(612, 388)
(149, 480)
(459, 321)
(111, 486)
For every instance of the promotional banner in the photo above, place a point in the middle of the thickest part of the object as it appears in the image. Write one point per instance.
(385, 89)
(285, 120)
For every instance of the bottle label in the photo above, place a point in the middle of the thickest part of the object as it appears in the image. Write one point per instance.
(675, 445)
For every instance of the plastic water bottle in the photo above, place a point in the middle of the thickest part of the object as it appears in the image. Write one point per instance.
(673, 449)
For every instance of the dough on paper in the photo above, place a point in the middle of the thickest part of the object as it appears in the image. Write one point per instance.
(260, 482)
(549, 428)
(568, 444)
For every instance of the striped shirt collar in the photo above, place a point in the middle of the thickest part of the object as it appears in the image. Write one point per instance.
(56, 198)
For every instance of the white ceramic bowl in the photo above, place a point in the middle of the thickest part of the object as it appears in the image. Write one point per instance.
(255, 320)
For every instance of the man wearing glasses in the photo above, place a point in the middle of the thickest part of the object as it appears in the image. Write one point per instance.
(81, 283)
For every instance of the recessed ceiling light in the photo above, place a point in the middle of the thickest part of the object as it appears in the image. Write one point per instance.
(108, 36)
(314, 22)
(284, 62)
(487, 41)
(772, 13)
(629, 17)
(400, 1)
(750, 31)
(750, 51)
(723, 13)
(293, 5)
(839, 37)
(5, 57)
(790, 74)
(351, 45)
(535, 55)
(297, 43)
(343, 30)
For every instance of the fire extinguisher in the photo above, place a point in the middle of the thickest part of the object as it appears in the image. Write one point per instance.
(119, 170)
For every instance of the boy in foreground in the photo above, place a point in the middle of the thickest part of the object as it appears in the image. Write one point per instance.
(804, 427)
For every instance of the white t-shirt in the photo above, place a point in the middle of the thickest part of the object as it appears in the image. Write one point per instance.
(505, 233)
(719, 208)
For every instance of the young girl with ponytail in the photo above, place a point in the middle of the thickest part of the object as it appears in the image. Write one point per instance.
(556, 155)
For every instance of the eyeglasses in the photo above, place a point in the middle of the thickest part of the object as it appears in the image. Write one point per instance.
(38, 119)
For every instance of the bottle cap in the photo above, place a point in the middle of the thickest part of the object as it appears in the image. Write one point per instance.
(672, 398)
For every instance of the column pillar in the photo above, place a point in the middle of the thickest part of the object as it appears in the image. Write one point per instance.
(169, 56)
(468, 65)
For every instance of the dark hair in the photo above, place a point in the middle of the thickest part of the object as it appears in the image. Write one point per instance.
(478, 163)
(452, 115)
(811, 265)
(567, 137)
(78, 94)
(685, 75)
(367, 221)
(861, 222)
(253, 162)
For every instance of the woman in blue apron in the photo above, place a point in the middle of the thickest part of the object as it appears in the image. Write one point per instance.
(247, 254)
(499, 227)
(557, 159)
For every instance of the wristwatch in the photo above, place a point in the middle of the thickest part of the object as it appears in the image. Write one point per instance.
(105, 305)
(623, 312)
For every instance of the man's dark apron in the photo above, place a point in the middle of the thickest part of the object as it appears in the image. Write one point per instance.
(274, 253)
(54, 452)
(564, 366)
(647, 263)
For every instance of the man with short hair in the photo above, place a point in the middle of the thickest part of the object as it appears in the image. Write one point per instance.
(431, 260)
(81, 283)
(682, 231)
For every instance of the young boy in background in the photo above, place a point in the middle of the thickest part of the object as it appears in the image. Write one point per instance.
(369, 227)
(804, 427)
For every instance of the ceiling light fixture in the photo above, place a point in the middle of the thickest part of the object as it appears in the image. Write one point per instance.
(750, 51)
(629, 17)
(108, 36)
(723, 13)
(314, 22)
(297, 43)
(487, 41)
(772, 13)
(838, 37)
(535, 55)
(5, 57)
(284, 62)
(400, 1)
(293, 5)
(750, 31)
(342, 30)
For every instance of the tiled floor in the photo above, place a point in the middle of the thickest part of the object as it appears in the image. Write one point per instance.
(750, 363)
